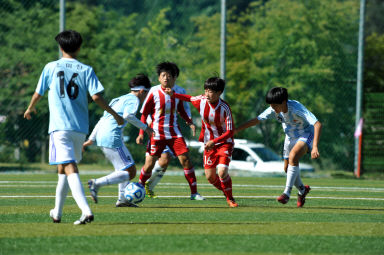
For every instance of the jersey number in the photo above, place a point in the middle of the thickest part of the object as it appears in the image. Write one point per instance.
(72, 88)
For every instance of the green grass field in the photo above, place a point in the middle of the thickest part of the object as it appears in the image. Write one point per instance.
(341, 216)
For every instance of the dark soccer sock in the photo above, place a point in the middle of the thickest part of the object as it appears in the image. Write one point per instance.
(191, 178)
(226, 185)
(144, 176)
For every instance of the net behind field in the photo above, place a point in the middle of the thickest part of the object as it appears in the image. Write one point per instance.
(308, 47)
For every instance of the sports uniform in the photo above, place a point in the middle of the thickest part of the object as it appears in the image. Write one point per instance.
(68, 82)
(217, 126)
(109, 137)
(163, 111)
(297, 124)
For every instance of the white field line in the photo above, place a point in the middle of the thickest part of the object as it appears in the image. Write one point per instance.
(268, 197)
(323, 188)
(39, 184)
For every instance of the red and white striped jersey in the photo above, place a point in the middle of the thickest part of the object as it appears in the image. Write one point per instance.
(163, 110)
(217, 121)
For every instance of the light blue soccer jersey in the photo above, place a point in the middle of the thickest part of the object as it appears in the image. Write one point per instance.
(109, 133)
(296, 121)
(68, 82)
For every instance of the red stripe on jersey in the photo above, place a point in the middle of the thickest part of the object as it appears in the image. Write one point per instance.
(161, 114)
(172, 118)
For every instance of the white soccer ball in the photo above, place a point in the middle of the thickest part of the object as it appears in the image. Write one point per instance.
(134, 192)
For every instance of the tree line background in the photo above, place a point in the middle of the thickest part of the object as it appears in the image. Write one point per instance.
(309, 47)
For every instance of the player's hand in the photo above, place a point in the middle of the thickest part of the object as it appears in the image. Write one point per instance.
(168, 91)
(209, 145)
(87, 143)
(149, 131)
(315, 153)
(193, 128)
(140, 139)
(28, 112)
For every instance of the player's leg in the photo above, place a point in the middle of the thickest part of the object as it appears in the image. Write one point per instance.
(158, 172)
(121, 201)
(303, 190)
(65, 151)
(210, 169)
(154, 150)
(226, 184)
(296, 150)
(179, 148)
(61, 194)
(121, 160)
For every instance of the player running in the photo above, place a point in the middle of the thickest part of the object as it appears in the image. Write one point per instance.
(302, 134)
(216, 134)
(109, 137)
(162, 109)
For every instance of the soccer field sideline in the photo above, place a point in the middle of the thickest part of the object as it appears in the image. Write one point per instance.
(328, 188)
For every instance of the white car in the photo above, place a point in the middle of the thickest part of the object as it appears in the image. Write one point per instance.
(255, 157)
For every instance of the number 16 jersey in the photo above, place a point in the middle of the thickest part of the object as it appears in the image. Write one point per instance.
(68, 82)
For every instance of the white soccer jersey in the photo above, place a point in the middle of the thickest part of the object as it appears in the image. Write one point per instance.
(68, 82)
(107, 132)
(163, 111)
(297, 121)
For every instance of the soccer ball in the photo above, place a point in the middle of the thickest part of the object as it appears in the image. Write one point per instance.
(134, 192)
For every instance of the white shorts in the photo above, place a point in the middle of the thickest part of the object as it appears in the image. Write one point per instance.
(290, 142)
(120, 158)
(65, 147)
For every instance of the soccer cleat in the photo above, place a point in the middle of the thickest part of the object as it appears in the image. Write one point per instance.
(301, 198)
(197, 196)
(150, 193)
(120, 203)
(54, 219)
(283, 198)
(232, 203)
(84, 219)
(93, 189)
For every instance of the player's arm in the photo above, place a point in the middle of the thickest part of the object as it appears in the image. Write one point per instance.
(131, 118)
(248, 124)
(99, 100)
(186, 117)
(227, 134)
(317, 131)
(92, 136)
(31, 108)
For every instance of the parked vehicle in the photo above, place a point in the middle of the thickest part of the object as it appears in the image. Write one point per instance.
(255, 157)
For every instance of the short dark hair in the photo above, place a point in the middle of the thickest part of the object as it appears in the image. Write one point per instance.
(168, 67)
(140, 80)
(69, 40)
(215, 83)
(276, 95)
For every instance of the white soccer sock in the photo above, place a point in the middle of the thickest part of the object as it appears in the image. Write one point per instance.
(299, 184)
(61, 194)
(78, 193)
(292, 173)
(157, 175)
(122, 186)
(112, 178)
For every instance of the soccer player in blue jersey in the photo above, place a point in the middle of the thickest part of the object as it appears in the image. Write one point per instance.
(109, 137)
(68, 82)
(302, 135)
